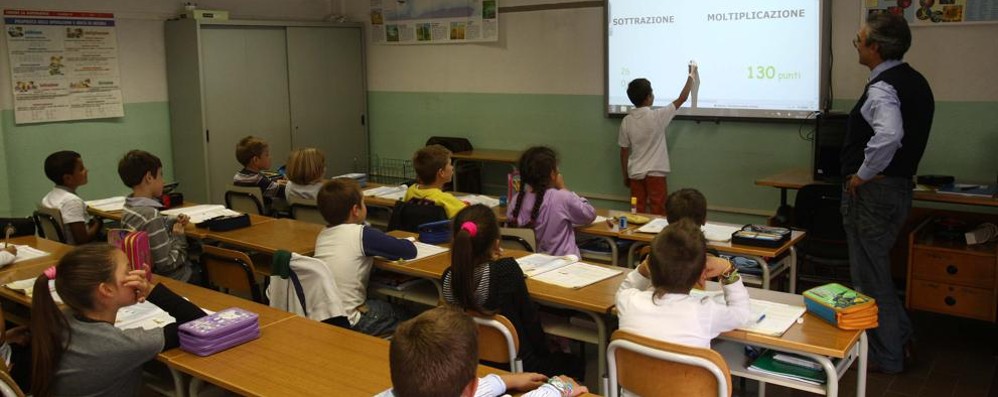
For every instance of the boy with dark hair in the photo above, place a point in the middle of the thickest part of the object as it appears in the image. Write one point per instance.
(436, 354)
(254, 154)
(654, 300)
(434, 169)
(348, 248)
(644, 156)
(143, 172)
(65, 168)
(686, 203)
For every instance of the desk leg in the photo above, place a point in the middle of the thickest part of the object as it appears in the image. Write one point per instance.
(631, 254)
(613, 249)
(178, 382)
(793, 269)
(604, 337)
(783, 196)
(864, 349)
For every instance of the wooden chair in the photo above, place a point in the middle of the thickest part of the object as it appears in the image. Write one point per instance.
(246, 199)
(230, 270)
(49, 221)
(498, 341)
(522, 238)
(649, 367)
(306, 211)
(7, 385)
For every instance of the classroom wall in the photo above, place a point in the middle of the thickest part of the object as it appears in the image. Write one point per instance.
(146, 123)
(542, 83)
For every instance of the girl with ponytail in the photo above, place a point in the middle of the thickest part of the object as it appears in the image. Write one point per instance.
(481, 280)
(546, 205)
(79, 351)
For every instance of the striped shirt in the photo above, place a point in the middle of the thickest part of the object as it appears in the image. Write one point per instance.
(169, 252)
(482, 277)
(248, 178)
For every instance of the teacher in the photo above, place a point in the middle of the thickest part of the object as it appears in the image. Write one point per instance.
(887, 134)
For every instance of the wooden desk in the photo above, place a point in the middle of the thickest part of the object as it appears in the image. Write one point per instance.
(798, 178)
(33, 267)
(271, 236)
(814, 338)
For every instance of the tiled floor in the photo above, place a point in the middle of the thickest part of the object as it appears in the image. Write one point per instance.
(955, 357)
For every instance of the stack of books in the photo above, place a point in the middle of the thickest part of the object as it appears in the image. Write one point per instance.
(842, 307)
(789, 366)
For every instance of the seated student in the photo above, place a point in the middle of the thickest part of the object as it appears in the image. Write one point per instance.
(433, 170)
(546, 205)
(143, 172)
(254, 154)
(667, 311)
(348, 248)
(65, 169)
(8, 255)
(480, 279)
(306, 167)
(690, 204)
(435, 354)
(80, 352)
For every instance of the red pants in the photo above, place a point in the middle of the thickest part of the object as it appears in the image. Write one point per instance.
(651, 193)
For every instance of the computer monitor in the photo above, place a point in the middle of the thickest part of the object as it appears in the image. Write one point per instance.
(829, 136)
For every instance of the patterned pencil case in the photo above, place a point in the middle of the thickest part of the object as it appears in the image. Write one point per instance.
(219, 331)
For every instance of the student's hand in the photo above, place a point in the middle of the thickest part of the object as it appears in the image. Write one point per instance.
(136, 280)
(183, 219)
(18, 335)
(526, 381)
(643, 269)
(12, 249)
(716, 266)
(558, 182)
(577, 389)
(282, 181)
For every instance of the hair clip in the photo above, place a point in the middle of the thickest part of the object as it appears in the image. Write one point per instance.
(470, 227)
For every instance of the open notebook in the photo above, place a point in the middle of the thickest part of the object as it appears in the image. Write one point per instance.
(387, 192)
(201, 213)
(424, 250)
(116, 203)
(27, 252)
(480, 199)
(564, 271)
(768, 318)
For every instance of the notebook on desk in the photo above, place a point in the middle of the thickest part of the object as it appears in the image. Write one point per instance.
(563, 271)
(767, 318)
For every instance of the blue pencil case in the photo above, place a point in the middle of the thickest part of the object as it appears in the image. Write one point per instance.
(219, 331)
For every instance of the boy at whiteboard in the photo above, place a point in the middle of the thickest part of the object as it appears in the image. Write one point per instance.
(644, 156)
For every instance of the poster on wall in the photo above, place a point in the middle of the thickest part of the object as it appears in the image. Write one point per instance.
(434, 21)
(63, 65)
(936, 12)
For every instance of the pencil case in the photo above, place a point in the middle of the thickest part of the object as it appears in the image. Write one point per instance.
(225, 222)
(437, 232)
(842, 306)
(761, 236)
(219, 331)
(135, 245)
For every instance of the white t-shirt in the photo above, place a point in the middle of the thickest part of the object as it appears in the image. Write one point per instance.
(341, 247)
(643, 132)
(71, 206)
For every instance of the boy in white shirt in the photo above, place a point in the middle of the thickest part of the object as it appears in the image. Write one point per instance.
(65, 168)
(654, 300)
(644, 156)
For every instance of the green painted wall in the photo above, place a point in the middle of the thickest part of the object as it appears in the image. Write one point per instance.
(101, 143)
(722, 160)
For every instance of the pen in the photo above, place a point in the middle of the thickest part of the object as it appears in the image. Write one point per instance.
(762, 317)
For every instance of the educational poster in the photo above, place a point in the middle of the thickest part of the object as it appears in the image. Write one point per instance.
(63, 65)
(936, 12)
(434, 21)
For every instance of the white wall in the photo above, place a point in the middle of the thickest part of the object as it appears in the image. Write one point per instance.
(561, 52)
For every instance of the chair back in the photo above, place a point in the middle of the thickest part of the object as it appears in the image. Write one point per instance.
(49, 221)
(649, 367)
(408, 215)
(305, 210)
(8, 387)
(247, 199)
(522, 238)
(230, 271)
(817, 209)
(498, 341)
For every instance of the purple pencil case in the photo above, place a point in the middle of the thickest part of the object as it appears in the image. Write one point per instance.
(219, 331)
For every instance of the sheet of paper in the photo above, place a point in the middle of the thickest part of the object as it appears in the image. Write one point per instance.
(387, 192)
(27, 287)
(720, 233)
(767, 318)
(654, 227)
(480, 199)
(116, 203)
(576, 275)
(599, 219)
(201, 213)
(143, 315)
(535, 264)
(424, 250)
(26, 252)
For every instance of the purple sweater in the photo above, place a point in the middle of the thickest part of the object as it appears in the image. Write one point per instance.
(560, 212)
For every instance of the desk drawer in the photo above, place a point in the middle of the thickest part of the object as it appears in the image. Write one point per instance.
(953, 299)
(953, 268)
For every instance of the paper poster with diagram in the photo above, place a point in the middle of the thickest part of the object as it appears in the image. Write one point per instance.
(936, 12)
(63, 65)
(434, 21)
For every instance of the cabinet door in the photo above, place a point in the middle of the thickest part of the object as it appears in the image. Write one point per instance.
(246, 93)
(328, 98)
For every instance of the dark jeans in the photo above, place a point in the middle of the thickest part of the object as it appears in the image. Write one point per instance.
(872, 220)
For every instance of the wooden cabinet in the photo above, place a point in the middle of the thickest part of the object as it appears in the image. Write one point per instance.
(294, 84)
(947, 276)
